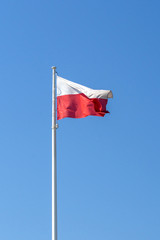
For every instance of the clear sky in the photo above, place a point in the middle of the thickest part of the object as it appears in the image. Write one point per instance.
(108, 168)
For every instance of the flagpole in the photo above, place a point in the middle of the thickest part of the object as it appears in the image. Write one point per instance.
(54, 161)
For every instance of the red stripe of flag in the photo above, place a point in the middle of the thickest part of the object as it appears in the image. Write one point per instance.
(80, 106)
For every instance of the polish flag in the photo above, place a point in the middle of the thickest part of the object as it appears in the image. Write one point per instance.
(77, 101)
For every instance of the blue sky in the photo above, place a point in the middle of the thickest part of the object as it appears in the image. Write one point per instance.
(108, 168)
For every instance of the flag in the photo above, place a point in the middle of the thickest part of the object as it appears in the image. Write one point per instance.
(77, 101)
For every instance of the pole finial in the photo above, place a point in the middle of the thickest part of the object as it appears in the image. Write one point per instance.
(53, 67)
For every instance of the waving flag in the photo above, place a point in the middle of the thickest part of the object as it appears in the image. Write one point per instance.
(77, 101)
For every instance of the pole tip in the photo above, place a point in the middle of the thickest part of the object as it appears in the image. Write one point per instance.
(53, 67)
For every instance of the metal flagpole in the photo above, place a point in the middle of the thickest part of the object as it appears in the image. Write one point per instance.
(54, 162)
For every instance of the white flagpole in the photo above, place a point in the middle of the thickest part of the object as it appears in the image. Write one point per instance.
(54, 162)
